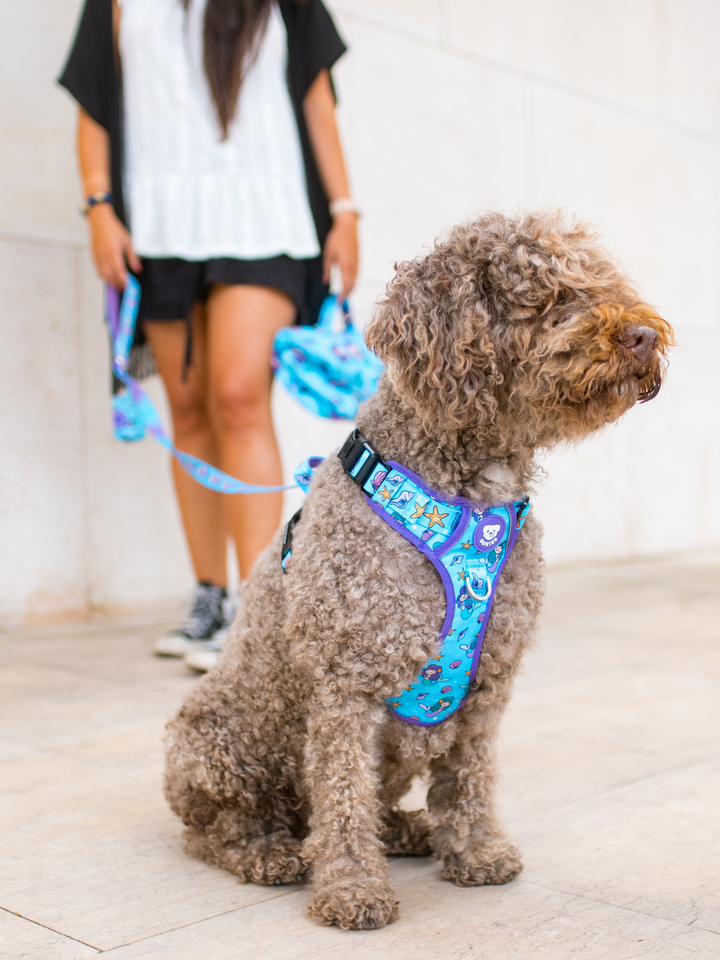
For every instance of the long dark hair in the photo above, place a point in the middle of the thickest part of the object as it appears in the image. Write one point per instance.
(230, 40)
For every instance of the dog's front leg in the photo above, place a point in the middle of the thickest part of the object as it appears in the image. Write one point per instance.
(350, 878)
(468, 837)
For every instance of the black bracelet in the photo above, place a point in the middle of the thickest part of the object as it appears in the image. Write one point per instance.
(100, 196)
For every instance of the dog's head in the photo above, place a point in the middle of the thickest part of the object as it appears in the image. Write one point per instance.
(520, 328)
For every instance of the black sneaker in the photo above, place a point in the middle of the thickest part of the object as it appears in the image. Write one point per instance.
(204, 656)
(206, 617)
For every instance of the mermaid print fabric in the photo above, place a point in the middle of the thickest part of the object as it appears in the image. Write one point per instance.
(330, 372)
(468, 544)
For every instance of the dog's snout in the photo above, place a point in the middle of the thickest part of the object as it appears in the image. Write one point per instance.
(642, 341)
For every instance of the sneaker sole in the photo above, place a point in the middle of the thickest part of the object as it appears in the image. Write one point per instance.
(176, 648)
(201, 661)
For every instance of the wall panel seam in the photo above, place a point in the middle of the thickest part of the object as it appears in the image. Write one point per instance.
(582, 93)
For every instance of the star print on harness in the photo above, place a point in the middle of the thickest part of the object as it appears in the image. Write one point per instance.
(467, 543)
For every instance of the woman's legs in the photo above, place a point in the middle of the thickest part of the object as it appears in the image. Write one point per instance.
(201, 509)
(241, 324)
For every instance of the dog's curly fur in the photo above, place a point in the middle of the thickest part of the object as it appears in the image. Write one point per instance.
(512, 335)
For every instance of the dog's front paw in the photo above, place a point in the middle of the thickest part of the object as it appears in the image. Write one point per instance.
(362, 904)
(493, 862)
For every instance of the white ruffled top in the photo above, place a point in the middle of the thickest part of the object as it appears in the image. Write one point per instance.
(190, 194)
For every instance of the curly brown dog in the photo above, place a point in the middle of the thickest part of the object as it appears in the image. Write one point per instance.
(512, 335)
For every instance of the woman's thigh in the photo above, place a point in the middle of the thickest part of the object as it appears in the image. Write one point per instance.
(241, 326)
(168, 340)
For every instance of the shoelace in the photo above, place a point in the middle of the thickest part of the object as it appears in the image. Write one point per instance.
(205, 616)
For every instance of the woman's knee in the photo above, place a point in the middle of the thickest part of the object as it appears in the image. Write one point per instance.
(238, 405)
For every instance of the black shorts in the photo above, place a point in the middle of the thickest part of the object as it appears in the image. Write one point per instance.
(170, 286)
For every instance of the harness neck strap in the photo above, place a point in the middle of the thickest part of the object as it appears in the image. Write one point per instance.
(390, 487)
(402, 498)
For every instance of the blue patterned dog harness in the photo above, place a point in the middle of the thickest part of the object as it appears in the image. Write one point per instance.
(468, 545)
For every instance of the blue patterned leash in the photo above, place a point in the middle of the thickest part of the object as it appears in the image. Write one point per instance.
(134, 413)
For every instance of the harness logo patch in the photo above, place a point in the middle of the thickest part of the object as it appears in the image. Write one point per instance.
(489, 532)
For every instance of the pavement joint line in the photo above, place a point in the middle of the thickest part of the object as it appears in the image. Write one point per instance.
(67, 936)
(616, 787)
(214, 916)
(194, 923)
(615, 906)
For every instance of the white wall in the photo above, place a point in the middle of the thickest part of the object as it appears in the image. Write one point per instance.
(449, 107)
(609, 110)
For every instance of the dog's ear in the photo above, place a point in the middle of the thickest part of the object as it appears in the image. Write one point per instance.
(432, 330)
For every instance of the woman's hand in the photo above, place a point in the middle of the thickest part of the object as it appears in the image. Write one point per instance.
(112, 247)
(111, 244)
(341, 248)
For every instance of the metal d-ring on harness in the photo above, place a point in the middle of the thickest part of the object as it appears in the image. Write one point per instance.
(477, 596)
(468, 543)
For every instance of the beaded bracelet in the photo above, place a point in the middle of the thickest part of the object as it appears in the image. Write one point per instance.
(343, 205)
(100, 196)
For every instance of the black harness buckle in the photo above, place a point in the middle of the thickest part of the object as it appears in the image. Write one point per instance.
(352, 452)
(286, 550)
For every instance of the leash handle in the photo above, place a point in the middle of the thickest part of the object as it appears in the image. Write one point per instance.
(327, 312)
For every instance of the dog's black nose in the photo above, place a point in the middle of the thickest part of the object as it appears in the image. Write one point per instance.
(642, 341)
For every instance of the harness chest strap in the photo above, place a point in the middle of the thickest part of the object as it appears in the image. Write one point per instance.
(467, 543)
